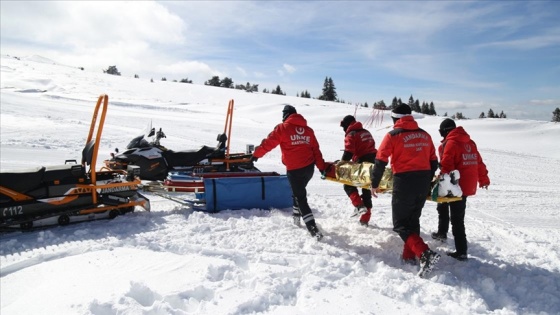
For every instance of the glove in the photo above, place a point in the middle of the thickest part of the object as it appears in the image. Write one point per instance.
(326, 170)
(254, 158)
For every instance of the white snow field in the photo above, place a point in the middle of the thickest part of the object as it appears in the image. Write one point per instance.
(174, 260)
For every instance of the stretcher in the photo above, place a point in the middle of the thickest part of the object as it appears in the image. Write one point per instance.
(359, 175)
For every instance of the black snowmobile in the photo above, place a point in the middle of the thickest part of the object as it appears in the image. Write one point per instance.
(71, 192)
(156, 161)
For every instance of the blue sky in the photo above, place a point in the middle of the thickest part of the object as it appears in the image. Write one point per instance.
(464, 56)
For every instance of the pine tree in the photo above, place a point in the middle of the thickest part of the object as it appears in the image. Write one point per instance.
(482, 115)
(417, 106)
(432, 109)
(226, 83)
(112, 70)
(215, 81)
(329, 90)
(491, 113)
(381, 105)
(394, 104)
(425, 109)
(278, 91)
(556, 115)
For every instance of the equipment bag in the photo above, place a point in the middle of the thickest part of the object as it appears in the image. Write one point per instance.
(234, 193)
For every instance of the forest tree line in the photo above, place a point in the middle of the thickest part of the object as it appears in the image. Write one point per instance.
(329, 94)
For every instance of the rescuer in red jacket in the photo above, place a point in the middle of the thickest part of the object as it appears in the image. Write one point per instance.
(300, 153)
(359, 146)
(413, 163)
(458, 152)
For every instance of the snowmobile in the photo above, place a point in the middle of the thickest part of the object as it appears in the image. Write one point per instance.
(71, 192)
(156, 162)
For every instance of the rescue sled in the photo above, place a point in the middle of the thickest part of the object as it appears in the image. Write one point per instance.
(194, 182)
(359, 175)
(63, 194)
(258, 191)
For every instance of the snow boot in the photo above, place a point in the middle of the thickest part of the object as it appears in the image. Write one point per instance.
(314, 231)
(458, 256)
(364, 218)
(358, 204)
(297, 219)
(408, 257)
(439, 237)
(428, 260)
(296, 214)
(359, 210)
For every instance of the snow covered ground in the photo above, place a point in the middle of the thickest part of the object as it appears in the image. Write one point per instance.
(173, 260)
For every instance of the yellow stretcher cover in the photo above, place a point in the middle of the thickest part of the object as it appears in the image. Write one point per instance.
(359, 175)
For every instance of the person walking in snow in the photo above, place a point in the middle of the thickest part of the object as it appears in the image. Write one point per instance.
(359, 146)
(413, 163)
(300, 154)
(458, 152)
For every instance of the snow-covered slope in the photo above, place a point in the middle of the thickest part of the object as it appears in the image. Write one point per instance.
(176, 261)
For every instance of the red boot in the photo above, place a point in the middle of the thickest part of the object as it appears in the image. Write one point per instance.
(364, 218)
(416, 244)
(356, 199)
(359, 208)
(408, 256)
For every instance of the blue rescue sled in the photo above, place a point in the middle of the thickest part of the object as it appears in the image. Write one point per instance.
(253, 192)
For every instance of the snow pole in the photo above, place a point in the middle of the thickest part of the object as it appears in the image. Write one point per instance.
(227, 128)
(376, 117)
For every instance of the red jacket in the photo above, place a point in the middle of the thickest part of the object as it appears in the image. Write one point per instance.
(297, 142)
(458, 152)
(358, 142)
(410, 148)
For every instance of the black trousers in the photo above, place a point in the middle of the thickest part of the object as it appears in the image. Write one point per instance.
(409, 196)
(454, 212)
(298, 179)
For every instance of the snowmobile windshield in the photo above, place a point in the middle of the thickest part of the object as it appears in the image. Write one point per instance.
(138, 142)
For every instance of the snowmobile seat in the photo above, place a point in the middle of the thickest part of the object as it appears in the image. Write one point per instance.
(23, 181)
(187, 157)
(220, 150)
(67, 173)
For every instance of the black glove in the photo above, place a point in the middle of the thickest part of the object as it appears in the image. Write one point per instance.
(254, 158)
